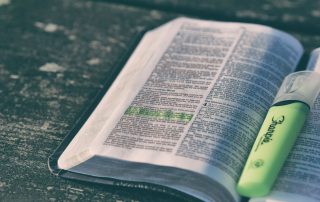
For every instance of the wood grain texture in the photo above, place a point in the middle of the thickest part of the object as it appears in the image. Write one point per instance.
(295, 15)
(54, 57)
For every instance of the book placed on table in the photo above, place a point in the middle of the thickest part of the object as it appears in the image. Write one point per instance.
(183, 113)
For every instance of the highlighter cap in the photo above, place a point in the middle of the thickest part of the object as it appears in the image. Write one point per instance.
(303, 86)
(314, 61)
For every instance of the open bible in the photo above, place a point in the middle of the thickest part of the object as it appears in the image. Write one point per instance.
(184, 112)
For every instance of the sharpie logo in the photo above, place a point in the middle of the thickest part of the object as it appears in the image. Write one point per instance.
(267, 137)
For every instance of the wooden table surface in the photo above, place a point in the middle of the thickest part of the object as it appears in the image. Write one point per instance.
(55, 56)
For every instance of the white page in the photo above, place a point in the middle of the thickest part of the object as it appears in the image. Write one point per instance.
(79, 149)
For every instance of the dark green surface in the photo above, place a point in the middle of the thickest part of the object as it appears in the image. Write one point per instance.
(298, 15)
(38, 107)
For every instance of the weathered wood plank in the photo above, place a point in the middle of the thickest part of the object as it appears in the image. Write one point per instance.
(55, 56)
(301, 15)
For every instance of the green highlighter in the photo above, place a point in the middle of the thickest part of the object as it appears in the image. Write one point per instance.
(278, 133)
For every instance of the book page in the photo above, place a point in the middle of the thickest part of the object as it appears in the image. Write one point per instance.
(198, 101)
(299, 179)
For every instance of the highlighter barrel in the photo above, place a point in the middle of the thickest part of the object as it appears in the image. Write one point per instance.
(278, 133)
(273, 144)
